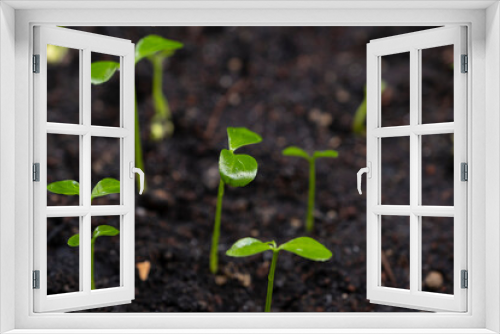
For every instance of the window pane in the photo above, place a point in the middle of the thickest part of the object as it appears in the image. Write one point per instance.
(63, 157)
(395, 86)
(63, 84)
(395, 169)
(437, 254)
(437, 84)
(106, 257)
(105, 171)
(395, 255)
(105, 90)
(437, 170)
(63, 261)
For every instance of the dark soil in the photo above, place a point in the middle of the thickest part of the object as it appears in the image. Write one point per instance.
(294, 86)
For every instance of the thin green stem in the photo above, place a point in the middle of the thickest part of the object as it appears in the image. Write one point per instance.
(270, 281)
(162, 125)
(161, 104)
(312, 190)
(215, 236)
(92, 281)
(139, 159)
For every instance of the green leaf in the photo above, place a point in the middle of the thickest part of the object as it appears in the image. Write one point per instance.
(307, 248)
(152, 44)
(105, 187)
(294, 151)
(238, 137)
(66, 187)
(102, 71)
(237, 170)
(104, 230)
(326, 154)
(247, 247)
(74, 241)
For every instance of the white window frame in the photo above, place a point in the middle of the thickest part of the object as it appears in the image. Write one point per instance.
(413, 44)
(483, 21)
(85, 43)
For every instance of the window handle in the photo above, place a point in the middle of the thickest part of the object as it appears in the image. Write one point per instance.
(141, 175)
(368, 171)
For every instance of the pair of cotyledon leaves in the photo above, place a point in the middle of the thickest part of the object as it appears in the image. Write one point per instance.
(99, 231)
(104, 187)
(238, 170)
(102, 71)
(294, 151)
(304, 246)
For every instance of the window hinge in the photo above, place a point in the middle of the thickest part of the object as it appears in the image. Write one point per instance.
(36, 172)
(464, 279)
(464, 171)
(36, 63)
(36, 279)
(465, 64)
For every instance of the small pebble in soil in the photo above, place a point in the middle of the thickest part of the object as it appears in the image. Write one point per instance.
(143, 268)
(234, 64)
(434, 280)
(335, 142)
(295, 222)
(211, 177)
(220, 280)
(332, 214)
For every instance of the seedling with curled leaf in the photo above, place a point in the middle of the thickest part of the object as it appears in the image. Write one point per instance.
(104, 187)
(305, 247)
(294, 151)
(236, 170)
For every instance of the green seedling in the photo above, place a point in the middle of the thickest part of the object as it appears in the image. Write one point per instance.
(294, 151)
(359, 120)
(99, 231)
(156, 49)
(236, 170)
(104, 187)
(305, 247)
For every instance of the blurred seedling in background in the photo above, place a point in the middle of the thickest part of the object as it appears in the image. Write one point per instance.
(305, 247)
(359, 120)
(104, 187)
(294, 151)
(156, 49)
(236, 170)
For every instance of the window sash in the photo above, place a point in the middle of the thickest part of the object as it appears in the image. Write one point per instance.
(414, 297)
(86, 43)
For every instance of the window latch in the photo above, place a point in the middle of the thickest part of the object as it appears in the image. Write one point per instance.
(141, 175)
(368, 171)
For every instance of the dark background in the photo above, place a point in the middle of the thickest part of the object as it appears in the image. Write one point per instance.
(294, 86)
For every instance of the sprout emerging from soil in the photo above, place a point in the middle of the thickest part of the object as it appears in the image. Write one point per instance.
(294, 151)
(100, 231)
(104, 187)
(305, 247)
(236, 170)
(156, 49)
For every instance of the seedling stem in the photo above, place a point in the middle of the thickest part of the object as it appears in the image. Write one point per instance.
(214, 259)
(270, 280)
(312, 191)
